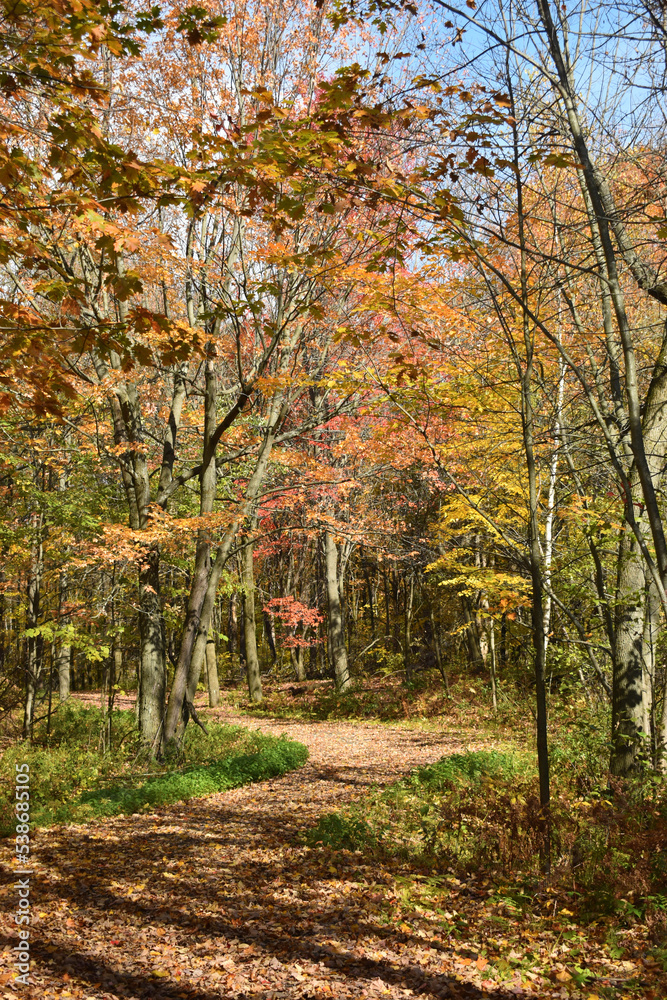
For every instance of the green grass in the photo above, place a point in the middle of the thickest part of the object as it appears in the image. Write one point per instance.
(74, 777)
(272, 757)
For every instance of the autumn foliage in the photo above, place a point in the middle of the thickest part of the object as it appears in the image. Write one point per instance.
(333, 346)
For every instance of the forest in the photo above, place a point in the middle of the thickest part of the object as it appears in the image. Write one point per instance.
(333, 441)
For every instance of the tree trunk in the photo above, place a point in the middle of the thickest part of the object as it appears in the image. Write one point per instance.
(118, 662)
(63, 659)
(652, 616)
(409, 601)
(233, 634)
(35, 643)
(198, 587)
(243, 659)
(438, 652)
(63, 652)
(492, 649)
(628, 673)
(212, 673)
(472, 635)
(252, 661)
(269, 632)
(199, 583)
(551, 508)
(662, 734)
(152, 675)
(369, 591)
(337, 649)
(503, 642)
(296, 656)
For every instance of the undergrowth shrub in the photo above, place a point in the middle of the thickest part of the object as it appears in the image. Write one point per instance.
(73, 724)
(378, 697)
(450, 811)
(579, 751)
(481, 811)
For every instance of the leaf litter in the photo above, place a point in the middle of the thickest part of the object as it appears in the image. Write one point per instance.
(219, 897)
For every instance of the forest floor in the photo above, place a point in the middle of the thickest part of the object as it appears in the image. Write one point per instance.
(219, 897)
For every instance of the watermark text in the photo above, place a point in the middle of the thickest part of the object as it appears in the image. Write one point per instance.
(23, 873)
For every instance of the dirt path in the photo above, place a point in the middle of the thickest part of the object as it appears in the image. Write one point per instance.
(345, 760)
(217, 898)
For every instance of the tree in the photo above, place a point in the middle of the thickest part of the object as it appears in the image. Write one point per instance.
(606, 206)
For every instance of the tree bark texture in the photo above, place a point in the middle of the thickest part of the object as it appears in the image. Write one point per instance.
(33, 667)
(212, 679)
(628, 665)
(207, 488)
(63, 659)
(249, 625)
(152, 678)
(337, 648)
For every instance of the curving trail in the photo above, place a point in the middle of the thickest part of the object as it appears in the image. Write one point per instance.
(217, 898)
(345, 760)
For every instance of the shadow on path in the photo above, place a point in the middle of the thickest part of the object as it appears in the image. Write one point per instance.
(219, 898)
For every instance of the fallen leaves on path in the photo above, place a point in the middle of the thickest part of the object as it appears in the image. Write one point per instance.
(218, 898)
